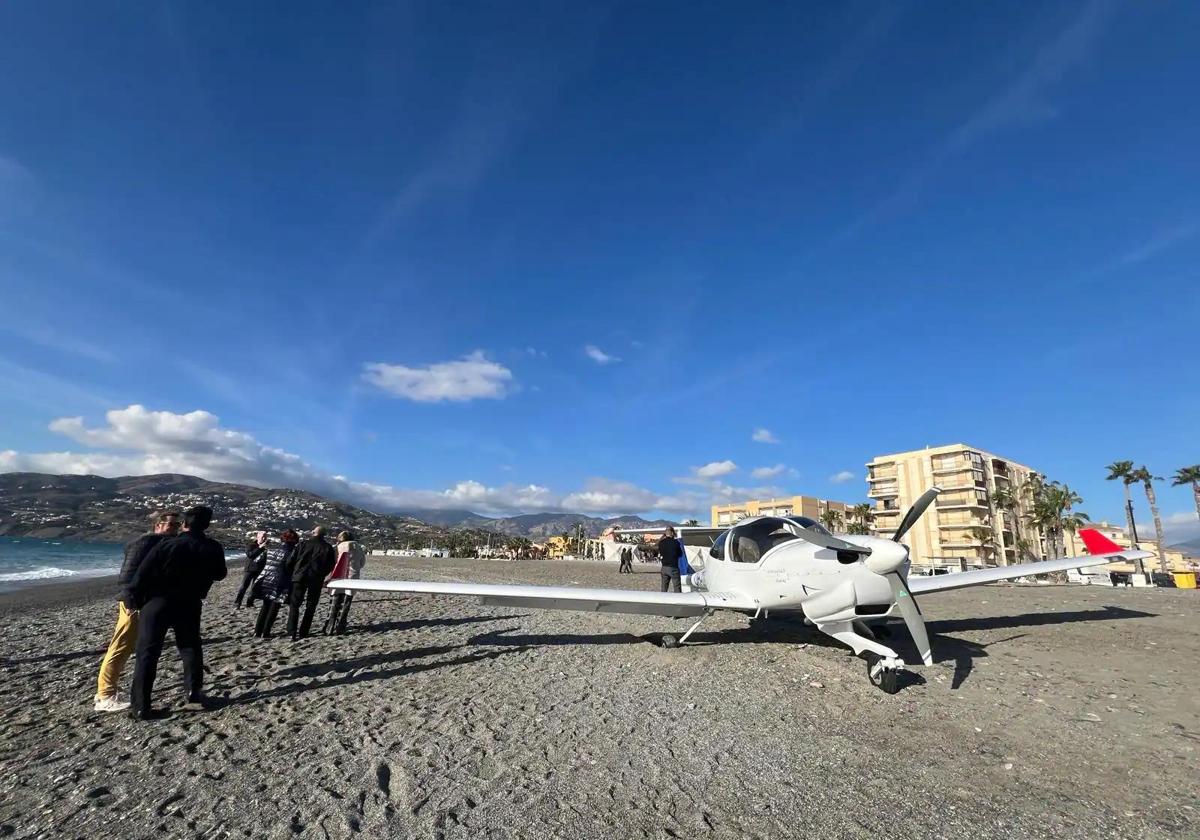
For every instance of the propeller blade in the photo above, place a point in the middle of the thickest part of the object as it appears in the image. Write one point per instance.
(914, 512)
(911, 610)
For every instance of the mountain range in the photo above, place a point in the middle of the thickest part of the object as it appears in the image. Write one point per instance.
(96, 509)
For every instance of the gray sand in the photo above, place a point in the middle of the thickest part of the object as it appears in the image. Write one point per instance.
(1051, 711)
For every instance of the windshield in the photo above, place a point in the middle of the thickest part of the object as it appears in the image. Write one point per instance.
(805, 522)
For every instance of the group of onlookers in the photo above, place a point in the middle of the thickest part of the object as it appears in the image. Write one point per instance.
(166, 575)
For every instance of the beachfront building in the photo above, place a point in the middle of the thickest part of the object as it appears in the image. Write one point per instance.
(725, 515)
(963, 529)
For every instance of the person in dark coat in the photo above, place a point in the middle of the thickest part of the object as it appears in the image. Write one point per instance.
(256, 550)
(124, 638)
(669, 552)
(274, 581)
(626, 566)
(169, 589)
(315, 559)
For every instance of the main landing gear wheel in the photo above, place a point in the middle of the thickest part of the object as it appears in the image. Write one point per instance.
(669, 641)
(884, 673)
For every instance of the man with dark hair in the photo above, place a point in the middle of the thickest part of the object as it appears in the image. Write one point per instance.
(169, 588)
(669, 552)
(313, 561)
(164, 524)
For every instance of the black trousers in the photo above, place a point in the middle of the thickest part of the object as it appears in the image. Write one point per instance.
(157, 617)
(307, 592)
(247, 587)
(339, 614)
(670, 579)
(266, 618)
(626, 566)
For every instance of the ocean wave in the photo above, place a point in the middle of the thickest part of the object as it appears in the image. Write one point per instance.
(51, 572)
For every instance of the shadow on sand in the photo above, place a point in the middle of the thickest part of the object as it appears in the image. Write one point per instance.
(351, 671)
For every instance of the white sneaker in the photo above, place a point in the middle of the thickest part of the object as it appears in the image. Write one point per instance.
(110, 704)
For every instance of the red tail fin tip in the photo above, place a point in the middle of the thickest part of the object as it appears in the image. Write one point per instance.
(1097, 543)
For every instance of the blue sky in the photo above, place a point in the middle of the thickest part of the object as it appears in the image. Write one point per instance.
(372, 244)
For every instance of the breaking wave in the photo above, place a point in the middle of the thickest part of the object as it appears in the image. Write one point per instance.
(51, 572)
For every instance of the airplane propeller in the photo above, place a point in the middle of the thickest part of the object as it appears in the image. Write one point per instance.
(888, 564)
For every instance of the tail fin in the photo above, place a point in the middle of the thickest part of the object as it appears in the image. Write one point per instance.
(1097, 543)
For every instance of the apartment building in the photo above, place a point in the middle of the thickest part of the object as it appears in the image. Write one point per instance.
(810, 506)
(962, 527)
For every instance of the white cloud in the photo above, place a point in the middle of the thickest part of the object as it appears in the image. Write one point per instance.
(769, 472)
(714, 469)
(599, 356)
(764, 436)
(1182, 526)
(603, 495)
(842, 477)
(470, 378)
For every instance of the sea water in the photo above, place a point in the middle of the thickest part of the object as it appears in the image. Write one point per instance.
(24, 561)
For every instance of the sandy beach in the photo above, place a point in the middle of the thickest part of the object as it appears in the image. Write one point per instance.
(1050, 711)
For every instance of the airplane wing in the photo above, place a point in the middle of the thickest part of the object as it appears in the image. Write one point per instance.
(941, 583)
(638, 602)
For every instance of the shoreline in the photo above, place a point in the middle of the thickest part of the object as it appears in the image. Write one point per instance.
(37, 594)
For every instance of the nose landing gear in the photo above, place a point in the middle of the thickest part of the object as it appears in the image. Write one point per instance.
(884, 672)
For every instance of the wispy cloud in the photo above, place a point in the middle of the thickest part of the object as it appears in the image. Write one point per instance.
(1022, 100)
(599, 356)
(60, 342)
(842, 477)
(764, 436)
(471, 378)
(1159, 242)
(768, 472)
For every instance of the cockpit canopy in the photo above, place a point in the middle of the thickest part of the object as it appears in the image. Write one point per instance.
(749, 540)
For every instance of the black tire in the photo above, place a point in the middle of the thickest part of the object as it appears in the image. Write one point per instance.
(669, 641)
(888, 680)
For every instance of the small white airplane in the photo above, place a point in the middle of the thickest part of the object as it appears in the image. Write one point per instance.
(841, 584)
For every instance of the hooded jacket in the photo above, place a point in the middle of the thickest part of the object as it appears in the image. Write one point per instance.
(136, 552)
(274, 582)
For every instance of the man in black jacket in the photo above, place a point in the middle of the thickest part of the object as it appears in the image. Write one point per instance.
(255, 560)
(314, 560)
(169, 588)
(166, 524)
(669, 552)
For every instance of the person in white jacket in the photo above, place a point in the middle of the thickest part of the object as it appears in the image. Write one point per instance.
(350, 561)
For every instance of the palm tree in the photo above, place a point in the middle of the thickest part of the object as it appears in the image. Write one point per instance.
(1189, 475)
(986, 537)
(831, 519)
(1147, 478)
(1053, 506)
(1007, 500)
(859, 518)
(1120, 471)
(1074, 520)
(689, 523)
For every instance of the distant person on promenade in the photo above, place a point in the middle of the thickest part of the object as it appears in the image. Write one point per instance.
(350, 561)
(256, 550)
(669, 552)
(164, 524)
(626, 566)
(169, 588)
(315, 559)
(274, 583)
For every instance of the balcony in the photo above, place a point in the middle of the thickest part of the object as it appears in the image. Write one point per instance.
(961, 503)
(885, 491)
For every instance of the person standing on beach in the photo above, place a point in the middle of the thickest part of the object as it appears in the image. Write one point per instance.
(350, 561)
(669, 552)
(255, 549)
(274, 583)
(124, 637)
(169, 588)
(315, 559)
(626, 566)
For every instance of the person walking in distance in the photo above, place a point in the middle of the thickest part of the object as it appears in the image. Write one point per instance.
(626, 566)
(350, 561)
(314, 560)
(256, 550)
(124, 638)
(169, 588)
(669, 551)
